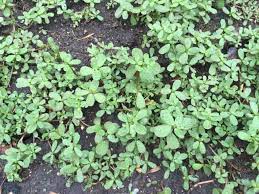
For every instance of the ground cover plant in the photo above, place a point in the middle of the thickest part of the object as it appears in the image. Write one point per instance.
(186, 101)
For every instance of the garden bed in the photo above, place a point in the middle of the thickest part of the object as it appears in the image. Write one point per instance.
(206, 120)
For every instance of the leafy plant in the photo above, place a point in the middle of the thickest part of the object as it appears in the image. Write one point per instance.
(42, 11)
(251, 186)
(6, 7)
(251, 136)
(19, 158)
(244, 10)
(187, 100)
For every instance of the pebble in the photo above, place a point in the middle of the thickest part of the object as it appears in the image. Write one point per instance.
(232, 53)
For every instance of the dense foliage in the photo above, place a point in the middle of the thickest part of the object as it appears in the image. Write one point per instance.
(43, 10)
(197, 112)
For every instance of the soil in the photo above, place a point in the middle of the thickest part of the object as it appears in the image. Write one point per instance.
(42, 178)
(75, 40)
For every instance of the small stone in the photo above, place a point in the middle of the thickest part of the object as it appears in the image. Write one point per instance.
(232, 53)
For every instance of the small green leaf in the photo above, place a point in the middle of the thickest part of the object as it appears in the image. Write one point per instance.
(233, 120)
(90, 100)
(102, 148)
(10, 58)
(22, 83)
(244, 136)
(183, 59)
(140, 129)
(140, 101)
(141, 147)
(31, 128)
(181, 95)
(162, 130)
(172, 142)
(99, 60)
(252, 148)
(85, 71)
(164, 49)
(197, 166)
(75, 62)
(78, 114)
(131, 146)
(137, 54)
(68, 169)
(79, 176)
(99, 97)
(166, 190)
(202, 148)
(220, 4)
(207, 124)
(166, 117)
(176, 85)
(254, 107)
(108, 184)
(189, 123)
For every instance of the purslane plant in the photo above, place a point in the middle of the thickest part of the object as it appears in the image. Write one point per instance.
(191, 112)
(45, 9)
(6, 9)
(19, 158)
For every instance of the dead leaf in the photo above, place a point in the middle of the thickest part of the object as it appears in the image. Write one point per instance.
(138, 169)
(51, 192)
(153, 170)
(3, 148)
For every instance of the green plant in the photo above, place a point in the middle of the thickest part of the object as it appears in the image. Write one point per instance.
(251, 136)
(166, 190)
(191, 110)
(251, 186)
(149, 10)
(19, 158)
(43, 11)
(244, 10)
(6, 7)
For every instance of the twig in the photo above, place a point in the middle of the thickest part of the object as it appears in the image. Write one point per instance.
(201, 183)
(14, 28)
(124, 109)
(233, 166)
(49, 144)
(85, 37)
(213, 150)
(86, 125)
(238, 169)
(2, 184)
(11, 74)
(21, 139)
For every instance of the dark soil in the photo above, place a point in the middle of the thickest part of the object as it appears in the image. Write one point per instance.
(75, 40)
(41, 178)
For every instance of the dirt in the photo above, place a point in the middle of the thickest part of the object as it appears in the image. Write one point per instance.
(42, 178)
(75, 40)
